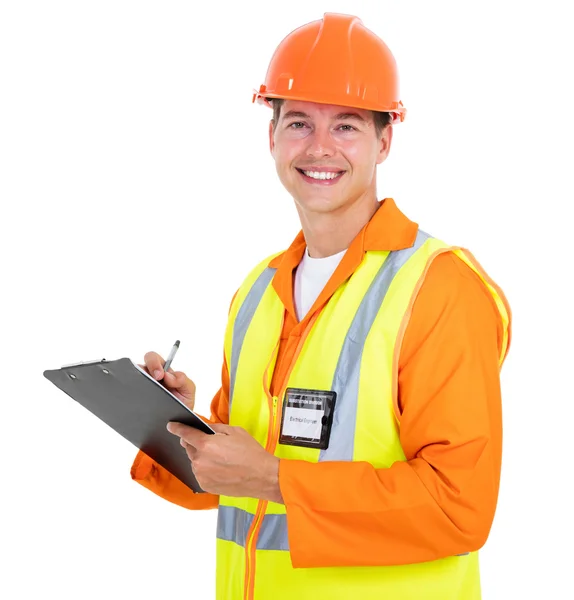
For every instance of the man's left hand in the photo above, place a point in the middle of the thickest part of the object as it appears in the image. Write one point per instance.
(231, 462)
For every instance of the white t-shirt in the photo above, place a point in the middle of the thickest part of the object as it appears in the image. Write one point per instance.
(310, 278)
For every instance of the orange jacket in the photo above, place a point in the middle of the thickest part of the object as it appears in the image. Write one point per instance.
(450, 423)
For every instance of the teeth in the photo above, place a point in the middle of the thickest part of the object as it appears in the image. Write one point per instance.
(321, 174)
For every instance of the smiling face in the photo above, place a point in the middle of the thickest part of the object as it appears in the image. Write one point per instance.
(326, 155)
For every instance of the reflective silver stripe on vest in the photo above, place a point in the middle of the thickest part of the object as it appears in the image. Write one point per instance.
(346, 378)
(243, 320)
(233, 525)
(273, 533)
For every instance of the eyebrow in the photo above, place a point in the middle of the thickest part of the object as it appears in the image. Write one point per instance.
(349, 115)
(339, 117)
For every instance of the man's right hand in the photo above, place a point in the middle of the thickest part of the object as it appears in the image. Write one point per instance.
(177, 382)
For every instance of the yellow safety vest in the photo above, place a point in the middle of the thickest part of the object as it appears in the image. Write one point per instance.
(352, 348)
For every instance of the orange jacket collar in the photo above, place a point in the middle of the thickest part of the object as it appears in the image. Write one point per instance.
(388, 229)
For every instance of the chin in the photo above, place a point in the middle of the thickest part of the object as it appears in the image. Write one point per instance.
(320, 204)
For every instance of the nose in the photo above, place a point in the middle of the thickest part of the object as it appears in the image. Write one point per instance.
(321, 143)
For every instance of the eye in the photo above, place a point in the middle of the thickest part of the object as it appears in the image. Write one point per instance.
(347, 127)
(296, 125)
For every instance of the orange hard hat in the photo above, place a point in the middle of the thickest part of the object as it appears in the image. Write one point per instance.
(335, 60)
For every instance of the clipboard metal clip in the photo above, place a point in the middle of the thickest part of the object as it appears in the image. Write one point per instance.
(86, 362)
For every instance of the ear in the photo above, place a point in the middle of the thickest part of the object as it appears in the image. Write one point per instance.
(271, 140)
(385, 143)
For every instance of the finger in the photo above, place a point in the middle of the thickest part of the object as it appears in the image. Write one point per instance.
(191, 451)
(221, 428)
(144, 368)
(188, 434)
(178, 380)
(154, 364)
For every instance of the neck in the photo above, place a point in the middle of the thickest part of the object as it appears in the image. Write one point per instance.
(329, 233)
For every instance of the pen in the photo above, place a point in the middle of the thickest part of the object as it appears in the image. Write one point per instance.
(171, 355)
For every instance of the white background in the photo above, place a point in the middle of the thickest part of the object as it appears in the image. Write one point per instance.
(136, 192)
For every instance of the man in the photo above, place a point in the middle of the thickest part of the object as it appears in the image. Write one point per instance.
(358, 427)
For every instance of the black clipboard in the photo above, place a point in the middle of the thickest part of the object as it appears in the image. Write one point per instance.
(135, 405)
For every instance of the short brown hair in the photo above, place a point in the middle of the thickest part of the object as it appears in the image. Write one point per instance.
(382, 119)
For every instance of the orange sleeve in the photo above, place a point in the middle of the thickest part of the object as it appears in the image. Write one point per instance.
(441, 501)
(158, 480)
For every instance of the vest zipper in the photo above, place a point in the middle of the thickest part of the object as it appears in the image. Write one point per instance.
(256, 525)
(270, 446)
